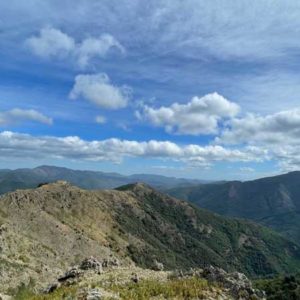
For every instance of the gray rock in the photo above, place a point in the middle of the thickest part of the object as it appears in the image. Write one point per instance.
(112, 262)
(71, 274)
(134, 278)
(94, 294)
(91, 263)
(51, 288)
(239, 285)
(157, 266)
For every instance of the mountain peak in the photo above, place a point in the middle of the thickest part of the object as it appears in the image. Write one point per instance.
(135, 187)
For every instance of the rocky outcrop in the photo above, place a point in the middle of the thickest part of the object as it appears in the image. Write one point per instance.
(90, 264)
(238, 284)
(157, 266)
(70, 274)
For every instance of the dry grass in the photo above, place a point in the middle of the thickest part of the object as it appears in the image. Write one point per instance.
(180, 289)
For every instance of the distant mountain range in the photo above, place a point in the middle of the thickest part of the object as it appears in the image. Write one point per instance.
(272, 201)
(11, 180)
(47, 229)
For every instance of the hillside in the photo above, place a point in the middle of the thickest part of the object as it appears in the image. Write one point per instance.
(11, 180)
(272, 201)
(45, 230)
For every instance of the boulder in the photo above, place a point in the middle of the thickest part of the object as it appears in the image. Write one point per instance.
(91, 263)
(71, 274)
(157, 266)
(51, 288)
(111, 262)
(94, 294)
(238, 284)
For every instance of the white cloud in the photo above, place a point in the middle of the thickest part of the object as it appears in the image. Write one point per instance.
(199, 116)
(93, 47)
(72, 147)
(52, 42)
(278, 128)
(100, 119)
(278, 132)
(18, 115)
(98, 89)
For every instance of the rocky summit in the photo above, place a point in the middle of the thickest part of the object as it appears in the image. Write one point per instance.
(57, 235)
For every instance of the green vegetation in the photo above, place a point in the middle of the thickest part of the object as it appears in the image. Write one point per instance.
(272, 201)
(134, 222)
(180, 289)
(182, 236)
(10, 180)
(281, 288)
(26, 293)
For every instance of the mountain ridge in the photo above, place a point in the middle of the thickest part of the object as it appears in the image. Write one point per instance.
(44, 230)
(30, 178)
(270, 201)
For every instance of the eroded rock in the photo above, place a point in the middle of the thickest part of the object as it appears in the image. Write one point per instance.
(91, 263)
(70, 274)
(239, 285)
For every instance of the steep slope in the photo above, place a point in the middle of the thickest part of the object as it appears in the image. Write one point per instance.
(273, 201)
(56, 225)
(11, 180)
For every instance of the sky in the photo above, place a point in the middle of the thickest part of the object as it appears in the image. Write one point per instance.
(194, 88)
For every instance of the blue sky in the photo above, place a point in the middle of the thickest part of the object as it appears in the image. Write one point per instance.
(202, 89)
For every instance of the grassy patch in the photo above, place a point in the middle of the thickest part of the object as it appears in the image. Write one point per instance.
(181, 289)
(26, 293)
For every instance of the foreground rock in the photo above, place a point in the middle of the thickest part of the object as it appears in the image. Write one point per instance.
(238, 284)
(88, 266)
(221, 284)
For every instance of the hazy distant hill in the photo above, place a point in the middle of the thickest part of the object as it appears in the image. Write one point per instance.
(273, 201)
(11, 180)
(45, 230)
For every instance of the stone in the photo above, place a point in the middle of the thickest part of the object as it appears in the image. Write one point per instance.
(112, 262)
(94, 294)
(238, 284)
(91, 263)
(157, 266)
(72, 273)
(51, 288)
(134, 278)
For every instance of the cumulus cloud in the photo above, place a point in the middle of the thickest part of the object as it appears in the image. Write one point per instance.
(92, 47)
(269, 129)
(199, 116)
(52, 42)
(98, 89)
(278, 132)
(18, 115)
(72, 147)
